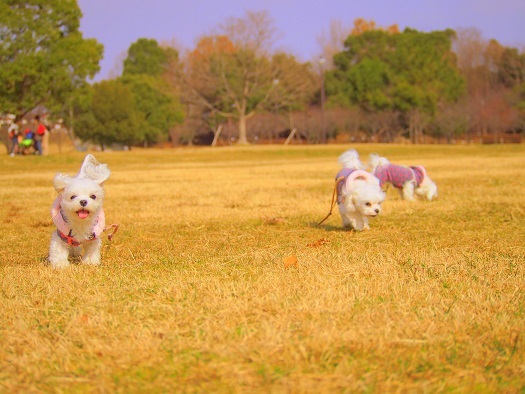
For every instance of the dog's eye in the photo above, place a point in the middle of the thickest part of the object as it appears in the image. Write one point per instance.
(93, 197)
(368, 204)
(73, 197)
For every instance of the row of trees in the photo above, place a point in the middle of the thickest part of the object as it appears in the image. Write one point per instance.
(380, 83)
(228, 77)
(136, 108)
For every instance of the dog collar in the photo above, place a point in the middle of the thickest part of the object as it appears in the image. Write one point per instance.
(65, 232)
(68, 238)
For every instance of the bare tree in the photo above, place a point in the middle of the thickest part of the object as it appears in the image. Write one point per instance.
(332, 42)
(231, 73)
(382, 126)
(118, 65)
(451, 120)
(473, 60)
(480, 62)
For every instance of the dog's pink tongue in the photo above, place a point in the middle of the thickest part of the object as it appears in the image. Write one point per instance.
(83, 214)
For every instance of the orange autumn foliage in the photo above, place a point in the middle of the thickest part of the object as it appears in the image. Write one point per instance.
(361, 25)
(211, 45)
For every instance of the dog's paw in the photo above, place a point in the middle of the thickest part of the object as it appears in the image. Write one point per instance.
(91, 261)
(59, 264)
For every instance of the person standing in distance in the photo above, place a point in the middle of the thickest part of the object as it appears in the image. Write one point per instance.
(39, 132)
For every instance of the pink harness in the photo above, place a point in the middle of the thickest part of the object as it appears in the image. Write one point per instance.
(65, 233)
(349, 176)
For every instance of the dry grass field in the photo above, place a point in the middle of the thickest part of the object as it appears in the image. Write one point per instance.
(199, 290)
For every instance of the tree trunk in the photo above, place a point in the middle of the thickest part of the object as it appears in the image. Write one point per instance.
(292, 133)
(242, 131)
(216, 135)
(415, 126)
(411, 127)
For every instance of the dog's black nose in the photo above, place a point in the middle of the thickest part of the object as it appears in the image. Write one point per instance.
(83, 202)
(377, 210)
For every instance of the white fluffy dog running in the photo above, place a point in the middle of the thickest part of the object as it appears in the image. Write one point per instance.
(410, 181)
(77, 213)
(359, 195)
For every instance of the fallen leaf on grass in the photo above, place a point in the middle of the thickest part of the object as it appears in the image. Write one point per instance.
(273, 221)
(318, 243)
(291, 261)
(84, 319)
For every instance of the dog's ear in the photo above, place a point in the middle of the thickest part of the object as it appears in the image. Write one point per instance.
(349, 203)
(350, 200)
(361, 176)
(94, 170)
(100, 173)
(60, 182)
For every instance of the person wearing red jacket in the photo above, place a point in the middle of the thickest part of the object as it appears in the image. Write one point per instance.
(39, 132)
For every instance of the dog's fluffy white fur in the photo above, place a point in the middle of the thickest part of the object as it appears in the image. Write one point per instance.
(350, 159)
(427, 189)
(79, 207)
(360, 195)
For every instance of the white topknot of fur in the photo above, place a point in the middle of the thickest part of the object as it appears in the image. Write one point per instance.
(92, 169)
(350, 159)
(377, 161)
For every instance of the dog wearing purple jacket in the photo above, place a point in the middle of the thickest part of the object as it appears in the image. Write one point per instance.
(359, 195)
(410, 181)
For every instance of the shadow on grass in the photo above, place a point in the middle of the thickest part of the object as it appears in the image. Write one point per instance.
(329, 227)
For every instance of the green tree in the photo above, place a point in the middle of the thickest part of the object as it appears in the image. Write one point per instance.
(43, 56)
(160, 110)
(511, 67)
(111, 116)
(409, 72)
(145, 56)
(519, 92)
(143, 72)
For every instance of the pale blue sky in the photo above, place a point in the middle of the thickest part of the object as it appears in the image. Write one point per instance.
(119, 23)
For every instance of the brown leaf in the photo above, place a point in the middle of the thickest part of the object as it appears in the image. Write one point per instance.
(273, 221)
(291, 262)
(318, 243)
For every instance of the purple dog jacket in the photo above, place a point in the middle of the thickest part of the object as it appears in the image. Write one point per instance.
(399, 175)
(345, 173)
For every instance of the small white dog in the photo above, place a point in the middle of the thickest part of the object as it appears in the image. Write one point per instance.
(410, 181)
(78, 215)
(359, 195)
